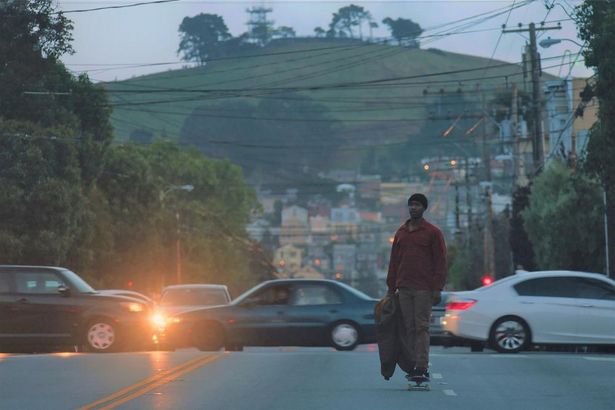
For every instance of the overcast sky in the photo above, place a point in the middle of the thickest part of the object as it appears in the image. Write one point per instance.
(107, 39)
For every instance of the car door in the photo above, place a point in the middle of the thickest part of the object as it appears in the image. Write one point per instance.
(549, 306)
(261, 319)
(595, 300)
(44, 314)
(313, 307)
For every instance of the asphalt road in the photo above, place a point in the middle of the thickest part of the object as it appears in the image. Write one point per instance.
(302, 378)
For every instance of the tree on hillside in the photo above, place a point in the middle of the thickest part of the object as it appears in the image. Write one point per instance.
(136, 228)
(596, 26)
(405, 31)
(202, 37)
(558, 242)
(372, 26)
(284, 32)
(52, 143)
(346, 19)
(289, 134)
(319, 32)
(42, 203)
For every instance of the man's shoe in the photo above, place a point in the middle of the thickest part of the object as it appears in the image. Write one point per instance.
(418, 373)
(421, 373)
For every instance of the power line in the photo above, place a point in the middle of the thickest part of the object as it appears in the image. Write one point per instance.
(122, 6)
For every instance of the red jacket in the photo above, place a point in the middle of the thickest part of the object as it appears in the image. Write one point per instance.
(418, 258)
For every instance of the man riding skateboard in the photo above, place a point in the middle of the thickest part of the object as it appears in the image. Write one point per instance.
(417, 272)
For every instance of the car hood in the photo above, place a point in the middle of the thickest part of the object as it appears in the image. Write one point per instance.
(177, 310)
(115, 297)
(198, 310)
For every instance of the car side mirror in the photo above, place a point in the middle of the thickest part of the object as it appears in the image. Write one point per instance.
(64, 291)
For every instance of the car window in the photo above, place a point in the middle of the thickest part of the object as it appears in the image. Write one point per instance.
(4, 283)
(37, 282)
(566, 287)
(588, 288)
(194, 296)
(315, 295)
(560, 287)
(272, 295)
(77, 282)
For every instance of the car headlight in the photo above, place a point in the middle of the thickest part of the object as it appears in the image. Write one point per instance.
(133, 306)
(159, 320)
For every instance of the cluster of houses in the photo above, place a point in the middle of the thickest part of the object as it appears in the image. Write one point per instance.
(348, 238)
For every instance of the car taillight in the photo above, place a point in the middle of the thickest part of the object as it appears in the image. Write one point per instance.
(460, 304)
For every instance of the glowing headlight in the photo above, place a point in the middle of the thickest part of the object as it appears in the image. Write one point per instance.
(133, 307)
(159, 320)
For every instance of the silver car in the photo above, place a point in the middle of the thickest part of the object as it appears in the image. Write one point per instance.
(181, 298)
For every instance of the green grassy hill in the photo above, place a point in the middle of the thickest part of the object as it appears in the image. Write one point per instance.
(345, 76)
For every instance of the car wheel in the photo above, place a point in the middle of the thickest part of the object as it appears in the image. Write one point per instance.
(344, 336)
(101, 336)
(208, 336)
(509, 335)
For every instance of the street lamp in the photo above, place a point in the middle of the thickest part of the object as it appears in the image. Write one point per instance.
(548, 42)
(178, 261)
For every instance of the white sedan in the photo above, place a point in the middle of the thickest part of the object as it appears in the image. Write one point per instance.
(547, 307)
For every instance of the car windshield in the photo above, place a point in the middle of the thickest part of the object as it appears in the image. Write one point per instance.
(355, 292)
(81, 285)
(193, 297)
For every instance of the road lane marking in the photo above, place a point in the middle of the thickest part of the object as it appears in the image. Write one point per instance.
(449, 392)
(509, 356)
(159, 383)
(600, 359)
(137, 389)
(436, 376)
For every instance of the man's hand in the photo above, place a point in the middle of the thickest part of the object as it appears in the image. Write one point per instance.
(391, 292)
(436, 297)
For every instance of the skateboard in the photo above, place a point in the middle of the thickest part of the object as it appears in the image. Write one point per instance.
(418, 383)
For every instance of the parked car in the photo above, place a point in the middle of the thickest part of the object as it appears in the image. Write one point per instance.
(439, 336)
(48, 307)
(541, 308)
(180, 298)
(291, 312)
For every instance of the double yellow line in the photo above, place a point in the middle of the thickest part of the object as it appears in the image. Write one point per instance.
(140, 388)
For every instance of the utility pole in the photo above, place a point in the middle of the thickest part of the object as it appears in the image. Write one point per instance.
(178, 253)
(537, 129)
(457, 213)
(488, 241)
(468, 194)
(514, 128)
(607, 268)
(519, 173)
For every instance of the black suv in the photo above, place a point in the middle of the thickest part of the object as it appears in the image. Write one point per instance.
(44, 307)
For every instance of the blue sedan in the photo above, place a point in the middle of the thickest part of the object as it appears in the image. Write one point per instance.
(285, 312)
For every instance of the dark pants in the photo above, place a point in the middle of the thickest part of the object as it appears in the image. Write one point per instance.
(416, 312)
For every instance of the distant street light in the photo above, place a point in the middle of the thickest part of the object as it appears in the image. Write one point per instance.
(178, 261)
(548, 42)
